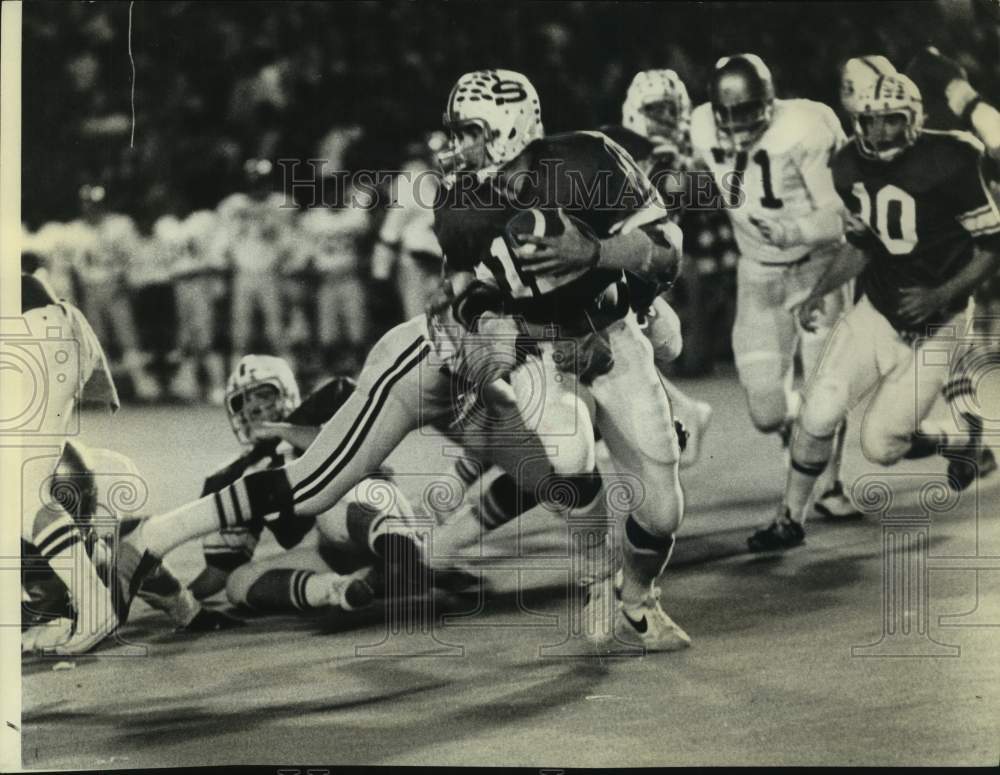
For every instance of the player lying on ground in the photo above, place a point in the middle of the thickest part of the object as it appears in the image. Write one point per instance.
(769, 158)
(68, 561)
(338, 558)
(928, 233)
(84, 482)
(410, 375)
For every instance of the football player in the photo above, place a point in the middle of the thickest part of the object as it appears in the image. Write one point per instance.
(657, 109)
(85, 484)
(769, 158)
(406, 241)
(329, 560)
(927, 232)
(559, 267)
(411, 373)
(198, 279)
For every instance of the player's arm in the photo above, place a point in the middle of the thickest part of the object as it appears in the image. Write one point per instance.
(847, 264)
(974, 208)
(824, 223)
(647, 244)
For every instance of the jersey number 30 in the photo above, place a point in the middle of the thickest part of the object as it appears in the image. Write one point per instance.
(893, 219)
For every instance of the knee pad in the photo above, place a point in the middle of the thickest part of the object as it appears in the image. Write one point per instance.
(824, 408)
(768, 407)
(573, 455)
(881, 447)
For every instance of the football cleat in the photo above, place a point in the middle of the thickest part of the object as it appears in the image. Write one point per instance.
(834, 504)
(353, 592)
(647, 622)
(966, 466)
(783, 533)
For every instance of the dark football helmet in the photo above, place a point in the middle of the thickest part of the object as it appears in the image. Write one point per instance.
(742, 96)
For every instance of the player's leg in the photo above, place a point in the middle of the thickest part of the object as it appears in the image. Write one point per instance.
(297, 580)
(896, 425)
(959, 434)
(396, 391)
(662, 327)
(269, 295)
(763, 344)
(240, 315)
(640, 434)
(847, 370)
(831, 500)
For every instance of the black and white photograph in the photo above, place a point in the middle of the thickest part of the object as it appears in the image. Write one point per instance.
(562, 385)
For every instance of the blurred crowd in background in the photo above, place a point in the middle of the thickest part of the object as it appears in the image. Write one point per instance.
(173, 232)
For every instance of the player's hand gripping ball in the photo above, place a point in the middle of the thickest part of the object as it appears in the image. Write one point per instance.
(550, 242)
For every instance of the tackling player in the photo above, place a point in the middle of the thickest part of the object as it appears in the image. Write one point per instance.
(770, 158)
(411, 374)
(928, 233)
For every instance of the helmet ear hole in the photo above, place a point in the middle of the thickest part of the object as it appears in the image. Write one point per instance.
(513, 133)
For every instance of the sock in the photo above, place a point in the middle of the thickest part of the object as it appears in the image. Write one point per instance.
(61, 544)
(571, 492)
(809, 458)
(503, 502)
(831, 474)
(467, 471)
(283, 590)
(240, 504)
(645, 557)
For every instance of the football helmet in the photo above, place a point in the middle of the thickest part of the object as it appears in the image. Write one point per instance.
(873, 107)
(657, 107)
(742, 97)
(491, 117)
(859, 73)
(262, 388)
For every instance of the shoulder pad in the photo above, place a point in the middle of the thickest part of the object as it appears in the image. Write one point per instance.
(950, 152)
(703, 126)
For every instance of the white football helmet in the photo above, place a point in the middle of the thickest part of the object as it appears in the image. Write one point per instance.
(505, 107)
(248, 405)
(889, 95)
(858, 74)
(657, 107)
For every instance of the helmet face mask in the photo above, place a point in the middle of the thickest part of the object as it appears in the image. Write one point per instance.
(742, 97)
(887, 117)
(504, 105)
(883, 135)
(657, 107)
(465, 149)
(261, 389)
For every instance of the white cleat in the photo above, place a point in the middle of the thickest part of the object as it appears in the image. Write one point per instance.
(700, 420)
(353, 592)
(834, 504)
(647, 623)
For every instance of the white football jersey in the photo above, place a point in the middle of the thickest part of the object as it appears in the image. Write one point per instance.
(784, 175)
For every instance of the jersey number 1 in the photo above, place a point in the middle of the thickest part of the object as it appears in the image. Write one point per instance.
(893, 219)
(769, 200)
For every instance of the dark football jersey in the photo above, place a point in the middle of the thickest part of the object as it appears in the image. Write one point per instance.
(587, 175)
(924, 208)
(318, 407)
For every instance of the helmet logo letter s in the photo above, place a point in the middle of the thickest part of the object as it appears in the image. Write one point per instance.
(508, 91)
